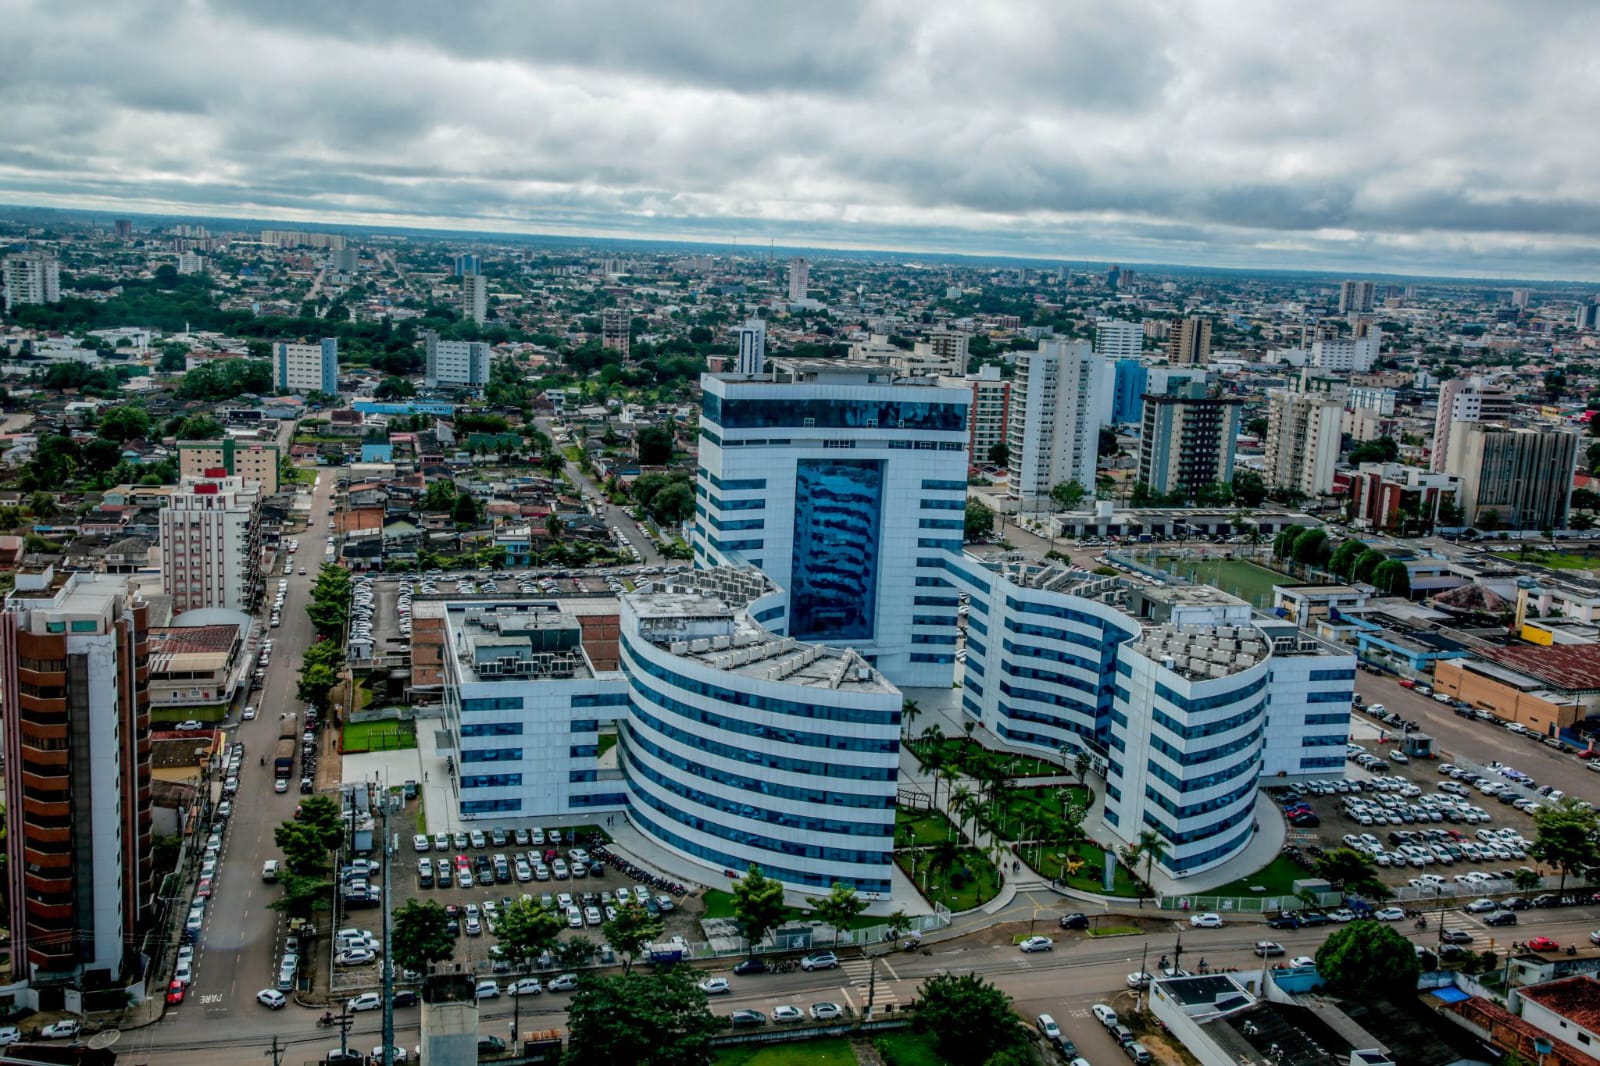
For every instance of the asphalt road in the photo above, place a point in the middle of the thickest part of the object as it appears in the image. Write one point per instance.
(1064, 982)
(615, 517)
(236, 955)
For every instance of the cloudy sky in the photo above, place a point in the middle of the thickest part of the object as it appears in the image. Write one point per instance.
(1432, 137)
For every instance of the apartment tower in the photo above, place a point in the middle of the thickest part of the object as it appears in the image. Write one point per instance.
(76, 736)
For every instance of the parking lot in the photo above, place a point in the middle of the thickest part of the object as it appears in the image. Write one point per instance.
(475, 901)
(1432, 828)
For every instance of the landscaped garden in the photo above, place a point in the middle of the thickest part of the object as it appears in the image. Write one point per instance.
(833, 1051)
(960, 754)
(1081, 866)
(922, 828)
(961, 878)
(1554, 560)
(905, 1048)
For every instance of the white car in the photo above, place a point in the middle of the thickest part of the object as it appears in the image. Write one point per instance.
(355, 957)
(527, 986)
(786, 1013)
(9, 1034)
(365, 1001)
(1302, 960)
(1105, 1015)
(488, 990)
(1388, 914)
(1138, 980)
(398, 1053)
(1037, 943)
(715, 986)
(249, 714)
(420, 842)
(66, 1029)
(826, 1012)
(1206, 921)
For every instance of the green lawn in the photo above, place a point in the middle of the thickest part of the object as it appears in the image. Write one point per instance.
(1055, 861)
(1235, 576)
(908, 1049)
(1554, 560)
(388, 735)
(607, 742)
(303, 475)
(170, 715)
(1113, 930)
(1277, 878)
(1029, 808)
(834, 1051)
(971, 882)
(922, 828)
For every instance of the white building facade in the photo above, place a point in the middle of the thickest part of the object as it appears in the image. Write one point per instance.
(845, 485)
(464, 363)
(306, 367)
(211, 544)
(31, 278)
(1054, 434)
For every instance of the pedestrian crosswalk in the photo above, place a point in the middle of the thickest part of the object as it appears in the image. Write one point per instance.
(859, 973)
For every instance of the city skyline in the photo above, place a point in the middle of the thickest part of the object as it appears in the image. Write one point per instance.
(1214, 136)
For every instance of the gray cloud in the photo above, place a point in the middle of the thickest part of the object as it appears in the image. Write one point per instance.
(1413, 137)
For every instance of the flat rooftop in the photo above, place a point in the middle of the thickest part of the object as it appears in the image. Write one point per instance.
(1201, 653)
(515, 642)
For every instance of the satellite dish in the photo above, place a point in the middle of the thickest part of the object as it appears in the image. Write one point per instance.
(104, 1039)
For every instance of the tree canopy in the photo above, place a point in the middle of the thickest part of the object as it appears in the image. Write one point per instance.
(1367, 954)
(1565, 837)
(419, 935)
(649, 1020)
(758, 905)
(979, 522)
(970, 1019)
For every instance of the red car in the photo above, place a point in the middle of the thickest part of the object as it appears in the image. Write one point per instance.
(1543, 943)
(175, 992)
(1408, 683)
(203, 889)
(1588, 753)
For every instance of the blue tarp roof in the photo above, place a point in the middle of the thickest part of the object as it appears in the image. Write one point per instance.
(1450, 994)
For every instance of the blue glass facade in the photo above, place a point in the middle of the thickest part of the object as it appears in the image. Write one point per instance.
(750, 413)
(1128, 389)
(838, 505)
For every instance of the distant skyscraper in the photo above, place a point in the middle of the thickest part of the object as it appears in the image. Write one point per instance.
(847, 487)
(1054, 435)
(799, 279)
(1358, 353)
(1188, 438)
(616, 329)
(1587, 315)
(1115, 339)
(306, 367)
(124, 229)
(347, 260)
(1464, 402)
(474, 297)
(467, 263)
(31, 278)
(190, 263)
(455, 362)
(1190, 342)
(1356, 296)
(752, 346)
(76, 734)
(1521, 297)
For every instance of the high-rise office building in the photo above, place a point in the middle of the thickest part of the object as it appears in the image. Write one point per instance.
(1303, 438)
(190, 263)
(257, 461)
(1123, 401)
(76, 735)
(753, 346)
(1054, 434)
(799, 280)
(1188, 437)
(475, 297)
(1523, 475)
(455, 362)
(1586, 315)
(616, 330)
(467, 263)
(1115, 339)
(124, 229)
(845, 485)
(31, 278)
(1356, 354)
(1356, 296)
(306, 367)
(1189, 344)
(211, 543)
(1463, 401)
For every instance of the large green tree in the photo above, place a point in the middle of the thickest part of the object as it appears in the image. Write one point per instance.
(1367, 954)
(1353, 872)
(1565, 837)
(419, 935)
(631, 932)
(124, 423)
(1344, 557)
(525, 929)
(1366, 563)
(838, 908)
(758, 905)
(1391, 578)
(643, 1020)
(1248, 488)
(969, 1019)
(654, 444)
(979, 521)
(1068, 494)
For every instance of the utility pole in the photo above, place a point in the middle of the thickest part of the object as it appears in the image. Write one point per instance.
(276, 1052)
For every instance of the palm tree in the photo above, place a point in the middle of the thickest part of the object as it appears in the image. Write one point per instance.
(961, 802)
(1151, 849)
(1082, 763)
(935, 760)
(909, 713)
